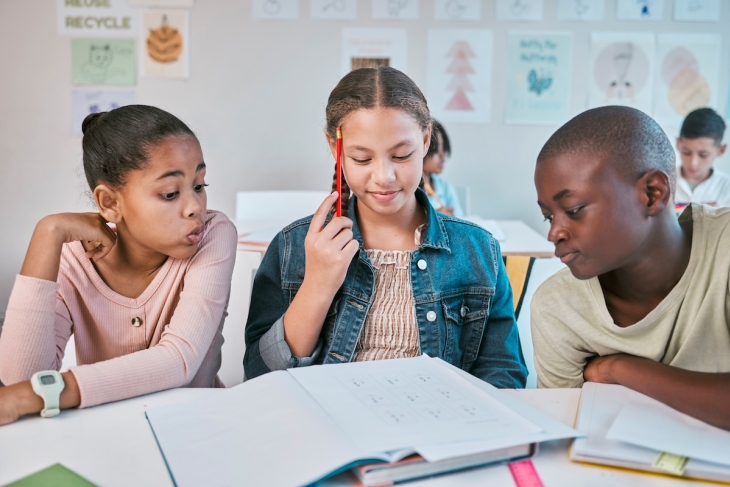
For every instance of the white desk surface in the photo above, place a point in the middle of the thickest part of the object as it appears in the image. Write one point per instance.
(113, 445)
(520, 239)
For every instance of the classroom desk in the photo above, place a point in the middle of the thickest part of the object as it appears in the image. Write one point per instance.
(519, 239)
(113, 445)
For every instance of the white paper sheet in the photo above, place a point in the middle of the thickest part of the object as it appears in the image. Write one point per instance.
(387, 47)
(388, 405)
(459, 75)
(697, 10)
(275, 9)
(687, 75)
(600, 405)
(639, 9)
(395, 9)
(111, 18)
(87, 101)
(664, 429)
(520, 10)
(457, 10)
(621, 69)
(333, 9)
(581, 10)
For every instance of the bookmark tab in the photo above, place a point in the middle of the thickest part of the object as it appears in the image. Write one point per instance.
(670, 463)
(525, 474)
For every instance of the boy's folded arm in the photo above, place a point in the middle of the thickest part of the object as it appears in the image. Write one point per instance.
(702, 395)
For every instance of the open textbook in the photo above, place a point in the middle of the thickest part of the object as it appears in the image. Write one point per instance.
(627, 429)
(298, 426)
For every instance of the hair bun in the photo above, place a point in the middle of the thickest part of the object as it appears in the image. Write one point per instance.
(91, 120)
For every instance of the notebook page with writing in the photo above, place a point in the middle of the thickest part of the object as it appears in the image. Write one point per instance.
(389, 405)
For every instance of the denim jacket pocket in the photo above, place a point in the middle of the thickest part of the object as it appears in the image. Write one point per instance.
(466, 314)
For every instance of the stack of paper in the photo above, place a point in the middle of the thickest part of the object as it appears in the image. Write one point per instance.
(319, 420)
(628, 429)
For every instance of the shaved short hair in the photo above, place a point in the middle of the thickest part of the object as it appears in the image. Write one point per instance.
(628, 138)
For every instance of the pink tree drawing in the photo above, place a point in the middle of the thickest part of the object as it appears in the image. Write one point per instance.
(461, 68)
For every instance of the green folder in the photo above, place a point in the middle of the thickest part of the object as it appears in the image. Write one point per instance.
(54, 476)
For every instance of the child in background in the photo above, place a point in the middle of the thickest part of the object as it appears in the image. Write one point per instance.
(699, 144)
(441, 193)
(391, 278)
(146, 299)
(645, 300)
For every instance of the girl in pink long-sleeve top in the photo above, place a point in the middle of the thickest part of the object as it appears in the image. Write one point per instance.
(145, 299)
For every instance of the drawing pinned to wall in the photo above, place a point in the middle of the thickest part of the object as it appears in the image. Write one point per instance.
(697, 10)
(520, 10)
(161, 3)
(395, 9)
(165, 48)
(362, 48)
(457, 10)
(581, 10)
(621, 69)
(86, 101)
(101, 18)
(275, 9)
(639, 9)
(539, 77)
(103, 62)
(459, 75)
(687, 75)
(333, 9)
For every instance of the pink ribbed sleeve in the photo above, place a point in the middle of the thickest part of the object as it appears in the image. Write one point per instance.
(169, 336)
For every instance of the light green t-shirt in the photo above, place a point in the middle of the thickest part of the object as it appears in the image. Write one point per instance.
(689, 329)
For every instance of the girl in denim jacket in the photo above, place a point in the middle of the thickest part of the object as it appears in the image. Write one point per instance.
(391, 278)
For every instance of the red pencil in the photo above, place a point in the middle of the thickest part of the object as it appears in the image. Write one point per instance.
(339, 172)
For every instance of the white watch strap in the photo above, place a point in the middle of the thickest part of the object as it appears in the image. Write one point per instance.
(48, 385)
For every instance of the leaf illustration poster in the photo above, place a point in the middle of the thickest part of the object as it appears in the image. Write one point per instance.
(459, 75)
(539, 73)
(164, 44)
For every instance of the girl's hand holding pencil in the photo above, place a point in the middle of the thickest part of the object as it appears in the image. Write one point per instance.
(328, 249)
(328, 252)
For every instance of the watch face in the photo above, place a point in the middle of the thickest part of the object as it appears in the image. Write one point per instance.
(47, 380)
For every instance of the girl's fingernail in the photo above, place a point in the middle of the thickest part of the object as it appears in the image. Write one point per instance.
(333, 193)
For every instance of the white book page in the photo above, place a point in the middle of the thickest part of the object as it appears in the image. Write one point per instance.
(661, 428)
(245, 434)
(390, 405)
(600, 405)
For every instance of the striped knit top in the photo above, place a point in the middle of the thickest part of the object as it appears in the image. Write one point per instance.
(390, 329)
(169, 336)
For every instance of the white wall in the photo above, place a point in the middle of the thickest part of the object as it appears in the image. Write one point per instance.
(256, 98)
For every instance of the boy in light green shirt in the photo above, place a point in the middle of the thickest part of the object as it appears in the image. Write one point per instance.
(645, 301)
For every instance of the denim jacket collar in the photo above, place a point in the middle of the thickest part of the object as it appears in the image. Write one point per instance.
(435, 235)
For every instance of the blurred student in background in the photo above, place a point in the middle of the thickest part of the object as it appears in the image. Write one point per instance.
(441, 193)
(699, 144)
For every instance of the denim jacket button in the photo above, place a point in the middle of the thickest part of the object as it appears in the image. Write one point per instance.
(422, 265)
(431, 316)
(464, 310)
